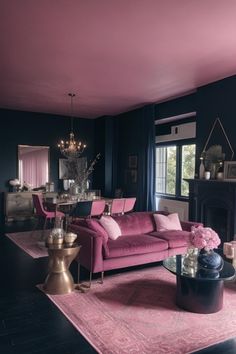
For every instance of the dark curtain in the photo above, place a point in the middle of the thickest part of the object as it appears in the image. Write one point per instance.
(146, 163)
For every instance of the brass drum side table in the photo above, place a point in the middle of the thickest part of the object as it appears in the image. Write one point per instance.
(59, 280)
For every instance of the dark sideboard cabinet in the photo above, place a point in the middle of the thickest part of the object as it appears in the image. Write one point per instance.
(18, 206)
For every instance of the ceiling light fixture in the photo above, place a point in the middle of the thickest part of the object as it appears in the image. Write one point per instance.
(71, 149)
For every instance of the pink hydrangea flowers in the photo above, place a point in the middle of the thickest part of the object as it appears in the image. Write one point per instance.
(204, 237)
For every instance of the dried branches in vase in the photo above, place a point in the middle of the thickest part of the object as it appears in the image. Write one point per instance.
(81, 176)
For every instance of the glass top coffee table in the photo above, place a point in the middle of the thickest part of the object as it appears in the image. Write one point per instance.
(195, 293)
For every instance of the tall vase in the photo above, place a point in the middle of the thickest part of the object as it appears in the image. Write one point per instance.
(201, 169)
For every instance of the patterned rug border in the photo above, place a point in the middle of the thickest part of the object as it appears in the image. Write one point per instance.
(27, 242)
(40, 287)
(100, 346)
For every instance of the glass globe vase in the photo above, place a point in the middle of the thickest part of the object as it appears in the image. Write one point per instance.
(209, 263)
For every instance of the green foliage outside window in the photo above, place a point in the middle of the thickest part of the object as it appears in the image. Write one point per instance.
(188, 167)
(166, 168)
(171, 170)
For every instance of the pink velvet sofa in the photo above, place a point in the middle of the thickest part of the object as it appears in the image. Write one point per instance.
(138, 244)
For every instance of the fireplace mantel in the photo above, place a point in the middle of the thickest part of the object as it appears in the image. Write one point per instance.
(213, 202)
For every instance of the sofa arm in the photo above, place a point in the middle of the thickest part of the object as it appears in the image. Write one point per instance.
(90, 255)
(187, 225)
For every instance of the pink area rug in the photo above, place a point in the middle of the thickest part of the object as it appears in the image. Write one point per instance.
(135, 312)
(28, 242)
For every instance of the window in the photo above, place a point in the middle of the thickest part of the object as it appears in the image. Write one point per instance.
(166, 170)
(187, 167)
(174, 163)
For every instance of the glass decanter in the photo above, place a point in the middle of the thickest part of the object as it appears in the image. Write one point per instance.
(57, 233)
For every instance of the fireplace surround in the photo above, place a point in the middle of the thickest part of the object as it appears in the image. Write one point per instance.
(213, 202)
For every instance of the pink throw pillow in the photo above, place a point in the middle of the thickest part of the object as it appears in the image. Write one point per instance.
(111, 227)
(96, 226)
(167, 222)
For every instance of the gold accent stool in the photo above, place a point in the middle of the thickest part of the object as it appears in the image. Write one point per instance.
(59, 280)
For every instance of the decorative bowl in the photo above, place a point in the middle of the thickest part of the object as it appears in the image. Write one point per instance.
(70, 237)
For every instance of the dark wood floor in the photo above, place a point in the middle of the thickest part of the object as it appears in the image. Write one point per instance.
(30, 323)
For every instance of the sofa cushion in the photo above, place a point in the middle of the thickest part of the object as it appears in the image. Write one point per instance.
(111, 227)
(175, 238)
(167, 222)
(135, 223)
(133, 244)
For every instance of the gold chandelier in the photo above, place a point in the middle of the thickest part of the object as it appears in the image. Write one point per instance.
(71, 148)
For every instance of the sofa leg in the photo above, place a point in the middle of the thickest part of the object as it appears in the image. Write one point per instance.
(83, 287)
(102, 278)
(78, 277)
(89, 284)
(90, 279)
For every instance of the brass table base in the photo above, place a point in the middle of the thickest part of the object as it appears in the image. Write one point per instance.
(59, 280)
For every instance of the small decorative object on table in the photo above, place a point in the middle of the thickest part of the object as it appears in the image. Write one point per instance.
(56, 236)
(220, 172)
(209, 262)
(15, 185)
(214, 158)
(69, 238)
(229, 251)
(207, 174)
(201, 168)
(190, 260)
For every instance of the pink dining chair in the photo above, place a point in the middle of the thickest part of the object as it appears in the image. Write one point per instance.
(98, 207)
(43, 214)
(117, 206)
(129, 204)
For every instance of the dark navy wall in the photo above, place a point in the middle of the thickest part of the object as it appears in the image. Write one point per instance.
(216, 100)
(181, 105)
(107, 143)
(99, 142)
(37, 129)
(129, 138)
(118, 138)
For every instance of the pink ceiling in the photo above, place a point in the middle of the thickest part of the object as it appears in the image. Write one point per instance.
(115, 55)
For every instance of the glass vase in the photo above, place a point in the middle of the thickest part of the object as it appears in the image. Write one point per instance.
(201, 170)
(57, 234)
(209, 264)
(190, 259)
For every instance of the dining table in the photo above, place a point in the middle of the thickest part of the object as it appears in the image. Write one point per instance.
(66, 205)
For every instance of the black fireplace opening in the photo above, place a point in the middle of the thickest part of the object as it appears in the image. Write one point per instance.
(213, 203)
(219, 220)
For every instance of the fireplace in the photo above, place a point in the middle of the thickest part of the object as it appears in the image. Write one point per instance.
(213, 203)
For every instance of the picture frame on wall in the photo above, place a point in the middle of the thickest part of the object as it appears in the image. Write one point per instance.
(67, 170)
(230, 170)
(133, 161)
